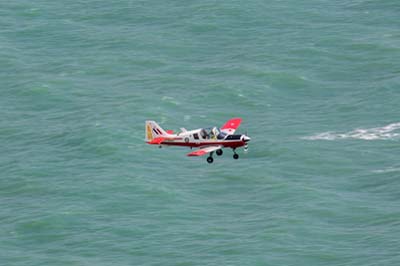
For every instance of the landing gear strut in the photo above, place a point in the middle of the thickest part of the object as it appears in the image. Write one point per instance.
(210, 158)
(235, 155)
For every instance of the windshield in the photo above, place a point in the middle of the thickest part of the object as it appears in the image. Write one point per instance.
(212, 133)
(221, 135)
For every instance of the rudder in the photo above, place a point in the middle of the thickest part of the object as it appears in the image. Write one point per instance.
(153, 130)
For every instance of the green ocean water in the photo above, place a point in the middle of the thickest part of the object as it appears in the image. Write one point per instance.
(316, 82)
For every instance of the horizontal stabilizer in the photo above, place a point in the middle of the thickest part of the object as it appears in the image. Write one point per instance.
(157, 141)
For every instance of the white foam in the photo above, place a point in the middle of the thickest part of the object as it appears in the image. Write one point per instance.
(170, 99)
(388, 170)
(389, 132)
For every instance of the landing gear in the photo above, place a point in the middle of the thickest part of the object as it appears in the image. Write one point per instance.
(210, 158)
(219, 152)
(235, 155)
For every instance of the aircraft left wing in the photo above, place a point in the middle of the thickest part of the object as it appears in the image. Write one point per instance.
(231, 125)
(203, 151)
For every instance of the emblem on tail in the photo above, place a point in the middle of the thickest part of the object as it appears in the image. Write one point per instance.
(153, 130)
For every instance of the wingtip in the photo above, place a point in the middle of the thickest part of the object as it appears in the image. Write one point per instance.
(233, 123)
(196, 153)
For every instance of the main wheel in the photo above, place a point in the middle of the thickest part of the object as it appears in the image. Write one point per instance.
(236, 156)
(219, 152)
(210, 159)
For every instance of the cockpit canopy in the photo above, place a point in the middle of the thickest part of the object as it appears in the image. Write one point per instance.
(212, 133)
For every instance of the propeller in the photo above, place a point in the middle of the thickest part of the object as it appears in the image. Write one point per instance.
(246, 146)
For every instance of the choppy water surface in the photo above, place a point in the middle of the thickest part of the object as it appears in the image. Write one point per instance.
(317, 86)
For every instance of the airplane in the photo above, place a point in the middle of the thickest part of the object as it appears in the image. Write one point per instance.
(208, 140)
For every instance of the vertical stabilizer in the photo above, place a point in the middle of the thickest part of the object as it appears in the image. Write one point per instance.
(153, 130)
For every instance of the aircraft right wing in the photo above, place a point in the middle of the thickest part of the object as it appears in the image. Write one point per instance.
(203, 151)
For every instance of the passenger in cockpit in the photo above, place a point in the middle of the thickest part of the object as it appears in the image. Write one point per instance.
(203, 134)
(214, 133)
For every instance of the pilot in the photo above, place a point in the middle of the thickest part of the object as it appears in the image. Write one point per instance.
(203, 134)
(214, 133)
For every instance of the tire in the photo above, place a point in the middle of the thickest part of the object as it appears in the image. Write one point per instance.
(210, 159)
(219, 152)
(236, 156)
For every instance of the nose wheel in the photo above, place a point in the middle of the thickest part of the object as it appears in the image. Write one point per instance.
(235, 155)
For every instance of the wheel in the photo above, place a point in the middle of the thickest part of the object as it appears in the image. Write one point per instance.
(236, 156)
(210, 159)
(219, 152)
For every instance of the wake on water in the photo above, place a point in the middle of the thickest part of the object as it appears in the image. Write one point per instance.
(389, 132)
(388, 170)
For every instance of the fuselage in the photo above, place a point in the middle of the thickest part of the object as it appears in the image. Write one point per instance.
(205, 137)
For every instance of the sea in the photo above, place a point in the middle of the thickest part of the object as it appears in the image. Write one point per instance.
(317, 84)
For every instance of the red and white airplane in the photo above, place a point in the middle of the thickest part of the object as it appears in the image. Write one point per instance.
(208, 140)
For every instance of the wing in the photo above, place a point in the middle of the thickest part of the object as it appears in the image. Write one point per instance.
(208, 149)
(231, 125)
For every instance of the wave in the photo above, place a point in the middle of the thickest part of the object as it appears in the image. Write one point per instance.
(388, 170)
(389, 132)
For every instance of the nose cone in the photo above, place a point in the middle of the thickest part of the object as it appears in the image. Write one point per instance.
(246, 138)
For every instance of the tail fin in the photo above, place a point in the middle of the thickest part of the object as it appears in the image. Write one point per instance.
(153, 130)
